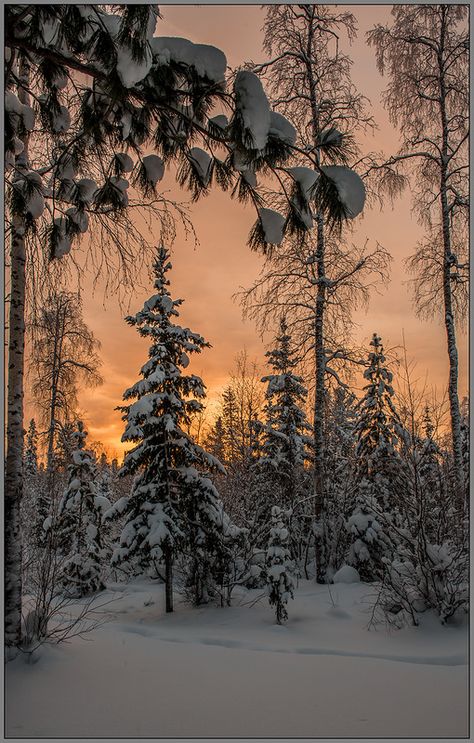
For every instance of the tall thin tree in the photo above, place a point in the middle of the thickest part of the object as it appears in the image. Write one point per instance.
(425, 52)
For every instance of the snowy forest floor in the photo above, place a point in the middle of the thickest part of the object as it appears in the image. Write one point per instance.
(232, 672)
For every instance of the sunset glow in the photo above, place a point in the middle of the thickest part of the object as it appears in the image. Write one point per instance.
(208, 276)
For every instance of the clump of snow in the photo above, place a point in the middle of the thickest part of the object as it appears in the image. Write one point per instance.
(154, 168)
(18, 146)
(125, 161)
(30, 184)
(272, 225)
(282, 128)
(62, 245)
(305, 177)
(252, 105)
(240, 161)
(12, 103)
(346, 574)
(86, 188)
(49, 30)
(66, 170)
(221, 121)
(350, 187)
(14, 106)
(28, 116)
(61, 121)
(59, 81)
(330, 136)
(207, 60)
(250, 177)
(202, 161)
(121, 184)
(79, 218)
(131, 71)
(126, 122)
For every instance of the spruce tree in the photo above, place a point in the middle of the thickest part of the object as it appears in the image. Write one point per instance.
(285, 434)
(379, 468)
(37, 502)
(30, 465)
(79, 523)
(279, 567)
(174, 508)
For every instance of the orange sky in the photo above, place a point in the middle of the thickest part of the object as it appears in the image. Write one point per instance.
(208, 276)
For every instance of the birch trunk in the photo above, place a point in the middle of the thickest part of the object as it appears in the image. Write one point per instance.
(319, 401)
(447, 289)
(15, 432)
(319, 351)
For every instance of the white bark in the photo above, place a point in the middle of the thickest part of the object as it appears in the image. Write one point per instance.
(15, 432)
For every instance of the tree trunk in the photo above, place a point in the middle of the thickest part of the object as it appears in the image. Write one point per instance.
(447, 292)
(319, 351)
(319, 404)
(169, 582)
(15, 432)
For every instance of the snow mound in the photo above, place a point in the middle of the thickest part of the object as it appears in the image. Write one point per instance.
(350, 187)
(253, 107)
(346, 574)
(207, 60)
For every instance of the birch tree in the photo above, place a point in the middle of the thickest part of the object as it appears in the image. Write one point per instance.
(309, 82)
(64, 354)
(424, 52)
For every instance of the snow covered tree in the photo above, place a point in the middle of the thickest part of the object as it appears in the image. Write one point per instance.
(279, 567)
(31, 450)
(285, 443)
(284, 437)
(379, 469)
(173, 507)
(37, 499)
(77, 529)
(425, 52)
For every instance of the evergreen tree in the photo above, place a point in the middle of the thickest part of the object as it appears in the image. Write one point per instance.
(379, 468)
(215, 440)
(79, 523)
(285, 439)
(173, 508)
(30, 466)
(37, 501)
(279, 576)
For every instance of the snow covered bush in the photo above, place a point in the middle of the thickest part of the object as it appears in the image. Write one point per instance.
(279, 566)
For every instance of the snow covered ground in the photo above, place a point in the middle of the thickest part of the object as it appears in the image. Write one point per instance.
(232, 672)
